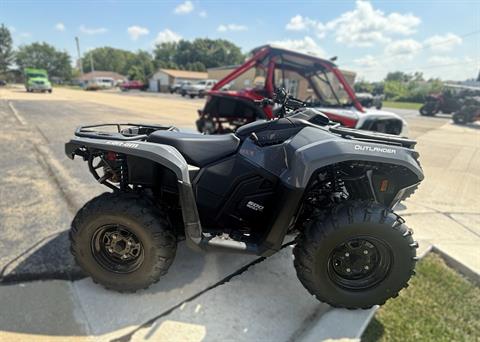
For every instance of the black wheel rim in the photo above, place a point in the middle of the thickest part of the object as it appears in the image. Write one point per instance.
(359, 263)
(117, 249)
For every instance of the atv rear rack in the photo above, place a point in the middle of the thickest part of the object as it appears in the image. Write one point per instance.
(125, 132)
(372, 136)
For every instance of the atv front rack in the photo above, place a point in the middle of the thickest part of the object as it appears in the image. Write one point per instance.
(124, 132)
(372, 136)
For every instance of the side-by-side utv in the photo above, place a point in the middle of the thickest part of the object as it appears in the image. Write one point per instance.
(316, 81)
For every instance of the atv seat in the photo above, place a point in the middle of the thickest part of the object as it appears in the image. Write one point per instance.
(197, 149)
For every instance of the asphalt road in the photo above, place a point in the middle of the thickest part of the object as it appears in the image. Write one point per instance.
(36, 212)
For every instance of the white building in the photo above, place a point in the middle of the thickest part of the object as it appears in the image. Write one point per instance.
(163, 79)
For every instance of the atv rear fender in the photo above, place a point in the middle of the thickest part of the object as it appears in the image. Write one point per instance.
(164, 155)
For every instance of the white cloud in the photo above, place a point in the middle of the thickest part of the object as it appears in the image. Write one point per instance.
(406, 48)
(24, 34)
(299, 23)
(452, 68)
(202, 14)
(136, 32)
(12, 29)
(60, 27)
(231, 27)
(167, 36)
(184, 8)
(441, 60)
(306, 45)
(363, 26)
(92, 31)
(443, 43)
(367, 61)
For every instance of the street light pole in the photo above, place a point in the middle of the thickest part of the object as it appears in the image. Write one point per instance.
(80, 66)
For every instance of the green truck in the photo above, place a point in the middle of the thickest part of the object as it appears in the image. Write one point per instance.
(37, 80)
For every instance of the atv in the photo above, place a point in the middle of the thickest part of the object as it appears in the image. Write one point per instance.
(331, 188)
(469, 111)
(445, 102)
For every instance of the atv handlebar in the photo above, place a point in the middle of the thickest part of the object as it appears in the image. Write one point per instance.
(286, 101)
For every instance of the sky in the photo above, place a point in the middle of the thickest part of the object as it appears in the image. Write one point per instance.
(439, 38)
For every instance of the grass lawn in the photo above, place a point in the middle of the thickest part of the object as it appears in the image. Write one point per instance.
(402, 105)
(439, 305)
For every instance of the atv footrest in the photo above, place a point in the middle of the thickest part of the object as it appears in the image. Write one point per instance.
(218, 242)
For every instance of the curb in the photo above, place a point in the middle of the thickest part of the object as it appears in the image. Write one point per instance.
(457, 265)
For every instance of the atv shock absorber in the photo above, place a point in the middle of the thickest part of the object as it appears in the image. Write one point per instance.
(114, 169)
(338, 193)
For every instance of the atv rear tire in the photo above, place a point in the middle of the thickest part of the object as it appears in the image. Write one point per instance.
(122, 241)
(361, 255)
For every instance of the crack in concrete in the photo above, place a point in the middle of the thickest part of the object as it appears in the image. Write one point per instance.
(308, 323)
(447, 214)
(127, 337)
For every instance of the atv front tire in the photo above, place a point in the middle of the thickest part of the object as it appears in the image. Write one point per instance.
(361, 255)
(122, 241)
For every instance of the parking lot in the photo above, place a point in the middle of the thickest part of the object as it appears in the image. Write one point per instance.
(41, 189)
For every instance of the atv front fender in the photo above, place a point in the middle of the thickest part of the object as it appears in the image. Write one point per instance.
(313, 149)
(164, 155)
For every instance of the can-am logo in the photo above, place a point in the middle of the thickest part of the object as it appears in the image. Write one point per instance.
(375, 149)
(122, 144)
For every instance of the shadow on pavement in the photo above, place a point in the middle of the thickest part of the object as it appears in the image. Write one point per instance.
(51, 261)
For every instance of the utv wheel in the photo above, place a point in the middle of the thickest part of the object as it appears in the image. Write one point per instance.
(122, 241)
(428, 110)
(361, 255)
(459, 119)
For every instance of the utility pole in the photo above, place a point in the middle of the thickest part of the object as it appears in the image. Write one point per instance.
(80, 66)
(91, 62)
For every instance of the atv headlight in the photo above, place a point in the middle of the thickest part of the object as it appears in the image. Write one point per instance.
(405, 131)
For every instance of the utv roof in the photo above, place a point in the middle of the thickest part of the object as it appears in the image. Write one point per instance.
(293, 58)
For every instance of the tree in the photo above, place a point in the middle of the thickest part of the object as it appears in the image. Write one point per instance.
(6, 51)
(397, 76)
(44, 56)
(140, 66)
(363, 87)
(198, 55)
(107, 59)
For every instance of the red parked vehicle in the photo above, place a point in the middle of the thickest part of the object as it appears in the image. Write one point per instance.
(133, 85)
(275, 67)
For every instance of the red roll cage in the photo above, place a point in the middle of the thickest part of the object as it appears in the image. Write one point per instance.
(273, 57)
